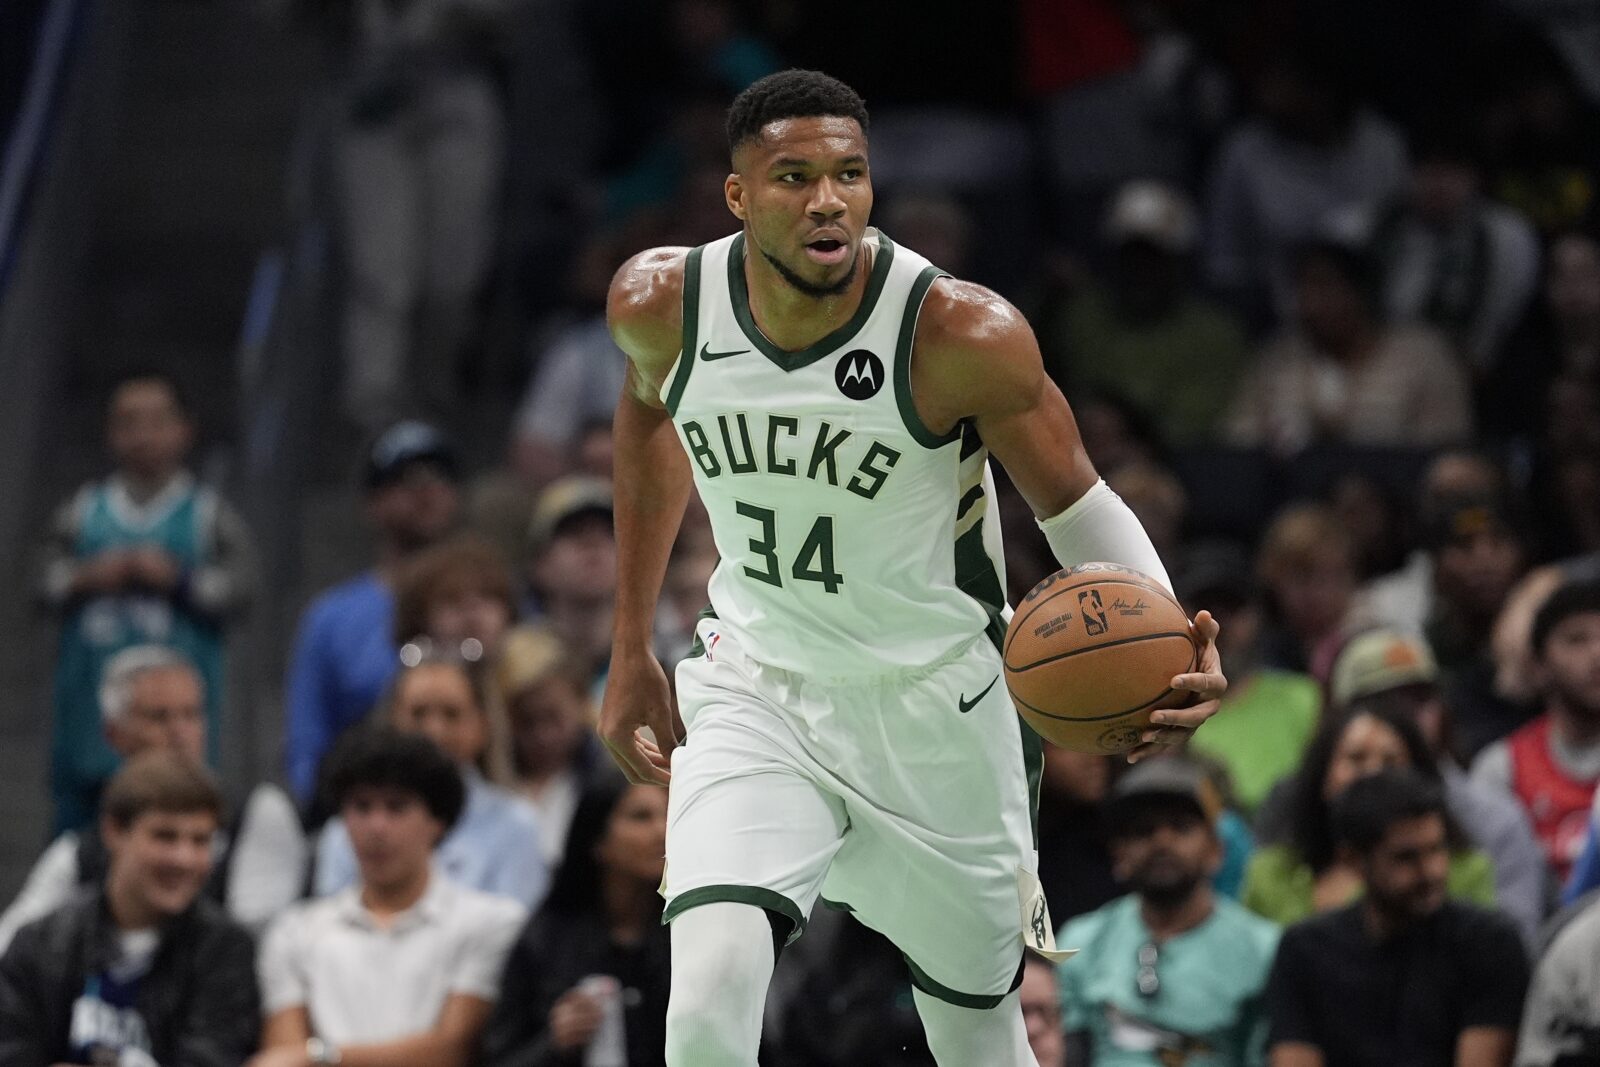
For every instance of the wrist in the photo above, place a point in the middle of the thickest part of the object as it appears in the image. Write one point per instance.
(320, 1053)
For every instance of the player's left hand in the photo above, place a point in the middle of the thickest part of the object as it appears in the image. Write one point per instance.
(1174, 726)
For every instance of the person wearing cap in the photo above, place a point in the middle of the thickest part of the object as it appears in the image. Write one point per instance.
(1551, 766)
(1171, 972)
(344, 653)
(572, 568)
(1271, 713)
(1340, 374)
(1405, 974)
(146, 555)
(1397, 671)
(1149, 337)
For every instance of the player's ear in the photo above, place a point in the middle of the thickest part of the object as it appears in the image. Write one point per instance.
(733, 193)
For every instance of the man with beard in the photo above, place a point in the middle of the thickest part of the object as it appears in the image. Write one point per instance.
(1403, 975)
(1551, 765)
(1171, 974)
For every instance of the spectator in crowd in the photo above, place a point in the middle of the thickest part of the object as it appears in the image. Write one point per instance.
(1561, 1018)
(1307, 563)
(1040, 993)
(1271, 713)
(555, 753)
(1311, 151)
(146, 555)
(577, 373)
(1340, 374)
(603, 918)
(1560, 340)
(1397, 672)
(418, 138)
(404, 967)
(1551, 765)
(1449, 255)
(1149, 336)
(1405, 974)
(151, 700)
(573, 569)
(138, 969)
(344, 653)
(1478, 555)
(495, 845)
(1171, 972)
(1300, 870)
(685, 591)
(459, 595)
(1074, 846)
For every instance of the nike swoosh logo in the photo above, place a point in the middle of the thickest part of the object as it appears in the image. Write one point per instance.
(965, 705)
(706, 355)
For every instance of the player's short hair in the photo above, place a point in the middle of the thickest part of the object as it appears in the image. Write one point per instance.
(128, 666)
(382, 757)
(1574, 598)
(791, 94)
(160, 781)
(1364, 812)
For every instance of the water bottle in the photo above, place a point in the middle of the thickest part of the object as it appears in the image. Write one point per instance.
(609, 1046)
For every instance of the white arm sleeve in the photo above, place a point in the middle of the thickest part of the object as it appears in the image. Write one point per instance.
(1099, 528)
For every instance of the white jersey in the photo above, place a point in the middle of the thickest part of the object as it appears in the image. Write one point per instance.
(853, 539)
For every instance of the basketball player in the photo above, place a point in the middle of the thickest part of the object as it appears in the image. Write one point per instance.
(844, 731)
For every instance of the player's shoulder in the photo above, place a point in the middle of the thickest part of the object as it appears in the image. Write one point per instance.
(649, 283)
(964, 316)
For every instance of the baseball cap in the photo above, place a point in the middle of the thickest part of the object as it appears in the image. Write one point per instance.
(1378, 661)
(1155, 212)
(1170, 778)
(566, 499)
(404, 444)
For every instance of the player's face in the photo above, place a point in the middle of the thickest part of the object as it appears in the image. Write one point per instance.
(1406, 873)
(803, 191)
(162, 859)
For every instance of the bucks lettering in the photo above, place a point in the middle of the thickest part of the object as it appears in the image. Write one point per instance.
(741, 443)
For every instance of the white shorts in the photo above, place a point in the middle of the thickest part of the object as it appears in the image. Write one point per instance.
(910, 800)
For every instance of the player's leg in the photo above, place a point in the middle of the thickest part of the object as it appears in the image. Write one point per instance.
(722, 959)
(750, 836)
(995, 1036)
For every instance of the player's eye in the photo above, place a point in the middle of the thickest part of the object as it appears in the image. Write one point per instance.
(792, 178)
(850, 175)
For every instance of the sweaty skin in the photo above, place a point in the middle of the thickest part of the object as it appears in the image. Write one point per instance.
(803, 193)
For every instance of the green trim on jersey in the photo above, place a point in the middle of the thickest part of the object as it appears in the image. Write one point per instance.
(975, 573)
(767, 899)
(691, 328)
(1033, 765)
(902, 364)
(739, 296)
(920, 979)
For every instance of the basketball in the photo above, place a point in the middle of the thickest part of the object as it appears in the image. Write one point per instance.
(1092, 651)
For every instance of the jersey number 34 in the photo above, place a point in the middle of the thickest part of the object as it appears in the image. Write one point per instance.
(814, 563)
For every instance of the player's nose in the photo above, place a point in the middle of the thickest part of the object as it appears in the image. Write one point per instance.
(826, 202)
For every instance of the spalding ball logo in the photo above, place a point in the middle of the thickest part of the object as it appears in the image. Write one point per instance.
(859, 374)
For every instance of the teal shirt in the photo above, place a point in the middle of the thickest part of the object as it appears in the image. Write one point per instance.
(1209, 1010)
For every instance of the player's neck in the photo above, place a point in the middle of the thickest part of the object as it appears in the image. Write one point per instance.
(794, 320)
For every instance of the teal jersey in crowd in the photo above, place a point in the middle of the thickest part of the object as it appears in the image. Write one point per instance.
(1207, 1007)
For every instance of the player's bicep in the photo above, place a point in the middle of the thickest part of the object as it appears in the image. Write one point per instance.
(1033, 433)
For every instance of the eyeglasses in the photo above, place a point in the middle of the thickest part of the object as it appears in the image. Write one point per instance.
(1146, 980)
(420, 650)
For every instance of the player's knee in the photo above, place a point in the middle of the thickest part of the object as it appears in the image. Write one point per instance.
(722, 960)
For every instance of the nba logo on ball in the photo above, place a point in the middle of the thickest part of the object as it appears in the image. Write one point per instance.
(859, 374)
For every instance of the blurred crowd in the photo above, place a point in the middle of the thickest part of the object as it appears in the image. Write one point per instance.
(1322, 283)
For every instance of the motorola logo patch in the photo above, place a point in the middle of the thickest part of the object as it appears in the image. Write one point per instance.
(859, 374)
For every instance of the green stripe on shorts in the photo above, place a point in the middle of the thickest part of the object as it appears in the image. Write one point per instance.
(920, 979)
(766, 899)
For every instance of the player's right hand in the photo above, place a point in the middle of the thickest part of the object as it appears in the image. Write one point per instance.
(637, 696)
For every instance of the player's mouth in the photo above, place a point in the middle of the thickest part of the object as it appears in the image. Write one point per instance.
(828, 249)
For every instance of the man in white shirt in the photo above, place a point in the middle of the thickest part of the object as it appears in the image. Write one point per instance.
(403, 968)
(153, 699)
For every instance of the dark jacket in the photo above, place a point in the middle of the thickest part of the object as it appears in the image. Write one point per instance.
(199, 1000)
(556, 951)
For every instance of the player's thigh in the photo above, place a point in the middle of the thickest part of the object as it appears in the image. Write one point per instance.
(745, 821)
(941, 854)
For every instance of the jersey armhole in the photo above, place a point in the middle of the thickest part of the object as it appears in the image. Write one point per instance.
(691, 322)
(902, 364)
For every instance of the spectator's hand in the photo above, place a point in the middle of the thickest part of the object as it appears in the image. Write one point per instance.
(106, 572)
(1174, 726)
(155, 569)
(573, 1020)
(282, 1056)
(637, 696)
